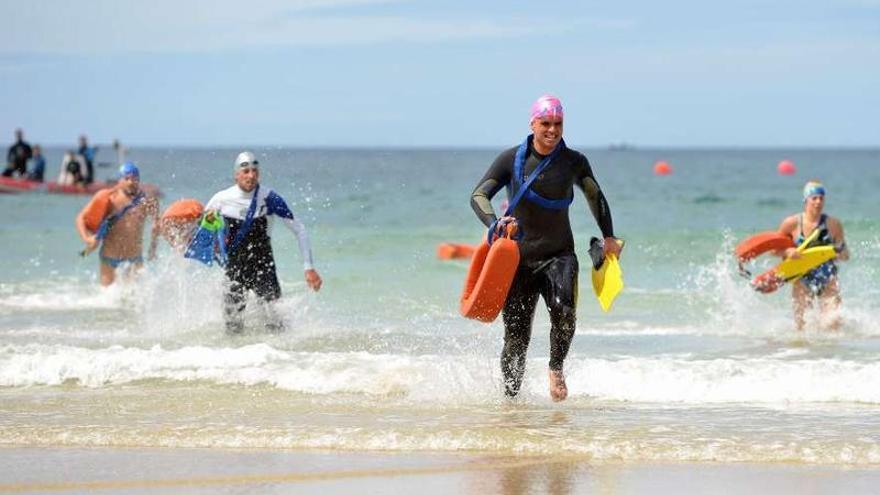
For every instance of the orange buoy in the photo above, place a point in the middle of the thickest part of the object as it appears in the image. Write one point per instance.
(759, 244)
(489, 278)
(179, 222)
(183, 209)
(786, 167)
(97, 209)
(453, 251)
(662, 168)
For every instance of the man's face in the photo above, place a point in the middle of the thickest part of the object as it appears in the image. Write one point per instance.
(247, 178)
(131, 184)
(548, 132)
(19, 134)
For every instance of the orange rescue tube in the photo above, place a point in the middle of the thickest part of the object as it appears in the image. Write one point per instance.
(452, 251)
(759, 244)
(183, 209)
(489, 278)
(97, 209)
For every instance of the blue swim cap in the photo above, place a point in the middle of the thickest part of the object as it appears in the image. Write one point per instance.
(813, 188)
(129, 168)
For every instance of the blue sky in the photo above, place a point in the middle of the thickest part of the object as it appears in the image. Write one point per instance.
(776, 73)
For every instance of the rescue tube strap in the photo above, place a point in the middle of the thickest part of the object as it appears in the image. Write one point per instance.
(108, 222)
(524, 188)
(519, 162)
(247, 223)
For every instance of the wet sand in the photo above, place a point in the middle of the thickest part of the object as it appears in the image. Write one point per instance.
(197, 471)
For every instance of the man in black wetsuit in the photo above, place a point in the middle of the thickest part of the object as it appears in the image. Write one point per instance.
(17, 156)
(548, 265)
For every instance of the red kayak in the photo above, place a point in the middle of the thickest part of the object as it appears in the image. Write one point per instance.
(10, 185)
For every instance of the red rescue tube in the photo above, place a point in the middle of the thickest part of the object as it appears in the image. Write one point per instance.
(489, 278)
(97, 209)
(759, 244)
(768, 282)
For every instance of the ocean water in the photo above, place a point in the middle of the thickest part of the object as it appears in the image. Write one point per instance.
(690, 365)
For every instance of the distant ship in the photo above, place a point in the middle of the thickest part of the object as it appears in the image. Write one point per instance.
(621, 147)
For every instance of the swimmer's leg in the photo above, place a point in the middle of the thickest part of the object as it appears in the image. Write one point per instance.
(268, 290)
(107, 274)
(801, 298)
(829, 304)
(234, 304)
(560, 295)
(519, 310)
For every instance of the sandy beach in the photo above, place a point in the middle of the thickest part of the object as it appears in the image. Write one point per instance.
(195, 471)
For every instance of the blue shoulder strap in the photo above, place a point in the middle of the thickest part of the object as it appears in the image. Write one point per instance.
(527, 184)
(519, 162)
(247, 223)
(108, 222)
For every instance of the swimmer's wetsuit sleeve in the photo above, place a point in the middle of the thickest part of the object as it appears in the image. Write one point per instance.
(493, 181)
(277, 206)
(595, 198)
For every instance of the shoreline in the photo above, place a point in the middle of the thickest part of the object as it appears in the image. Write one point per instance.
(176, 470)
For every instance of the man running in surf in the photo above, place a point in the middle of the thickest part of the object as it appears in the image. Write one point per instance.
(114, 219)
(548, 265)
(247, 209)
(821, 283)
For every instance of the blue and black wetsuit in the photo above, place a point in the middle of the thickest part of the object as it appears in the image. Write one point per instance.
(250, 264)
(818, 279)
(548, 264)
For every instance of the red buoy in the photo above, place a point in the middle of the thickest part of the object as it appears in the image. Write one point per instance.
(786, 167)
(662, 168)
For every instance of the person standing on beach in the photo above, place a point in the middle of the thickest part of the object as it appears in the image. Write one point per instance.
(247, 209)
(548, 265)
(115, 219)
(821, 283)
(17, 156)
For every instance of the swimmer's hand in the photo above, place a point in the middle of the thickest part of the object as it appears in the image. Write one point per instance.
(314, 280)
(504, 225)
(210, 215)
(612, 245)
(791, 254)
(91, 244)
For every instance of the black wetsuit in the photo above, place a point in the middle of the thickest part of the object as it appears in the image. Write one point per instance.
(548, 264)
(251, 265)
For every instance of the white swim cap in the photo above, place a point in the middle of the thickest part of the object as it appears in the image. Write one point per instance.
(246, 159)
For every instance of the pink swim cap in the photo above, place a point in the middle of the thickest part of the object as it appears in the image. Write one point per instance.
(546, 105)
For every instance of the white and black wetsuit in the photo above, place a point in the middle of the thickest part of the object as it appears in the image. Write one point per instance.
(251, 264)
(548, 264)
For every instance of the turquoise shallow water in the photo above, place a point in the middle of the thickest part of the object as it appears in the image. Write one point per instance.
(691, 364)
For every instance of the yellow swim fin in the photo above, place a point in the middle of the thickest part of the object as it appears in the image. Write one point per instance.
(793, 269)
(608, 282)
(608, 278)
(811, 258)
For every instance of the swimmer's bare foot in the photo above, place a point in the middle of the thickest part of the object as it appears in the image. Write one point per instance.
(558, 389)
